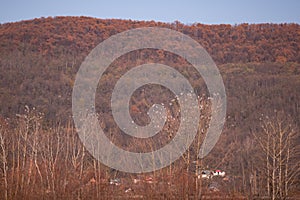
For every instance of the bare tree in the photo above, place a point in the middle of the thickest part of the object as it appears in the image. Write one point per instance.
(50, 153)
(3, 159)
(278, 143)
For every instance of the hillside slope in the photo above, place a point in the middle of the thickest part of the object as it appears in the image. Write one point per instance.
(39, 59)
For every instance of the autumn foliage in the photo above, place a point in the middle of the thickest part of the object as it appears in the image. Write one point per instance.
(226, 43)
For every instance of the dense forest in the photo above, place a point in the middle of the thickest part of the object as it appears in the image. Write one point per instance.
(42, 157)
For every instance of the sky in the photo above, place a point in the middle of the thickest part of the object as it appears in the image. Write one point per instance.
(185, 11)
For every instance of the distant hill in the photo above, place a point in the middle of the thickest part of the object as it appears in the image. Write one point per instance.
(40, 57)
(227, 44)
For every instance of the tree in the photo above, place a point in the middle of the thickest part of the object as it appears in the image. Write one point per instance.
(3, 160)
(281, 154)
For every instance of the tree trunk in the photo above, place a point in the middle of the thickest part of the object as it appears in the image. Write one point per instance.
(274, 170)
(268, 165)
(4, 163)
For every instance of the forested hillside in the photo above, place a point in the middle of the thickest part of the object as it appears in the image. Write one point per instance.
(40, 152)
(55, 37)
(40, 57)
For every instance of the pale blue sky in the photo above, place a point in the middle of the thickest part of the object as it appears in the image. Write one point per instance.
(188, 11)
